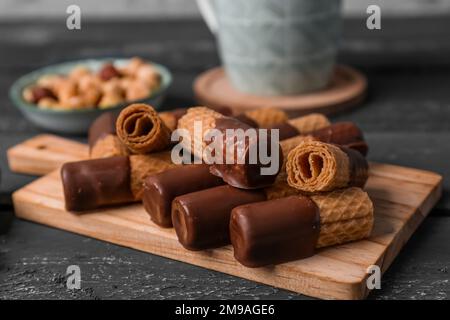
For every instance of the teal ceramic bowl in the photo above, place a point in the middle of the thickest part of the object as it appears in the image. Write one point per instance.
(76, 121)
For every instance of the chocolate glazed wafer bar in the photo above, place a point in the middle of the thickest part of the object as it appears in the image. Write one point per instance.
(240, 172)
(315, 166)
(95, 183)
(291, 228)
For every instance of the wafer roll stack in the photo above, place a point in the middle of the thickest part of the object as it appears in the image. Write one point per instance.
(242, 171)
(315, 166)
(103, 141)
(140, 128)
(160, 189)
(96, 183)
(291, 228)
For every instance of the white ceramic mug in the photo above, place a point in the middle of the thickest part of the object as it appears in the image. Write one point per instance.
(275, 47)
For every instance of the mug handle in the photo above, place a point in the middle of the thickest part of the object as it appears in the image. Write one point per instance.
(207, 11)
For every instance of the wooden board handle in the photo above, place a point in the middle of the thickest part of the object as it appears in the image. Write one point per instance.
(44, 153)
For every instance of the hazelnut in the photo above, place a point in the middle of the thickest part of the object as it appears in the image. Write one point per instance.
(48, 103)
(50, 81)
(78, 72)
(91, 96)
(113, 86)
(133, 65)
(149, 75)
(108, 71)
(137, 91)
(89, 81)
(38, 93)
(109, 100)
(65, 89)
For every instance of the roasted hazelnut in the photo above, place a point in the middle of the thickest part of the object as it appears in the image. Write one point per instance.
(149, 75)
(113, 86)
(137, 90)
(48, 103)
(78, 72)
(66, 89)
(108, 71)
(132, 66)
(38, 93)
(92, 96)
(109, 100)
(89, 81)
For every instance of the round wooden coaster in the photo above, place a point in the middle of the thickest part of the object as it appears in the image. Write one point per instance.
(347, 89)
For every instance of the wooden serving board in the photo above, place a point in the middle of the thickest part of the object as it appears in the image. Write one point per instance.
(44, 153)
(403, 197)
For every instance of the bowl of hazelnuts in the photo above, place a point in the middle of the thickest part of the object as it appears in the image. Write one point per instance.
(68, 97)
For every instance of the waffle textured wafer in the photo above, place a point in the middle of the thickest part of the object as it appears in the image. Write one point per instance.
(144, 165)
(203, 117)
(108, 146)
(314, 166)
(140, 128)
(309, 123)
(345, 215)
(267, 117)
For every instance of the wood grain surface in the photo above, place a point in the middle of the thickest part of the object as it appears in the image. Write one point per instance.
(403, 197)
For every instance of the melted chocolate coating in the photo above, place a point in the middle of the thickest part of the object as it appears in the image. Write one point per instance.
(343, 133)
(275, 231)
(244, 119)
(160, 189)
(359, 168)
(102, 126)
(242, 174)
(201, 219)
(95, 183)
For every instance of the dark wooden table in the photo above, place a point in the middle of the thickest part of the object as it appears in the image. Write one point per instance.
(406, 120)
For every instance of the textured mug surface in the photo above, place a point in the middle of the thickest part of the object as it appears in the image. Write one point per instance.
(278, 47)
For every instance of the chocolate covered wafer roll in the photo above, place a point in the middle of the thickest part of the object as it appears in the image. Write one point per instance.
(246, 169)
(201, 218)
(343, 133)
(140, 128)
(102, 138)
(160, 189)
(315, 166)
(217, 203)
(96, 183)
(291, 228)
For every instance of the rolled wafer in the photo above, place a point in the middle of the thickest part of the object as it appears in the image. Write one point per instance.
(140, 128)
(102, 138)
(315, 166)
(96, 183)
(291, 228)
